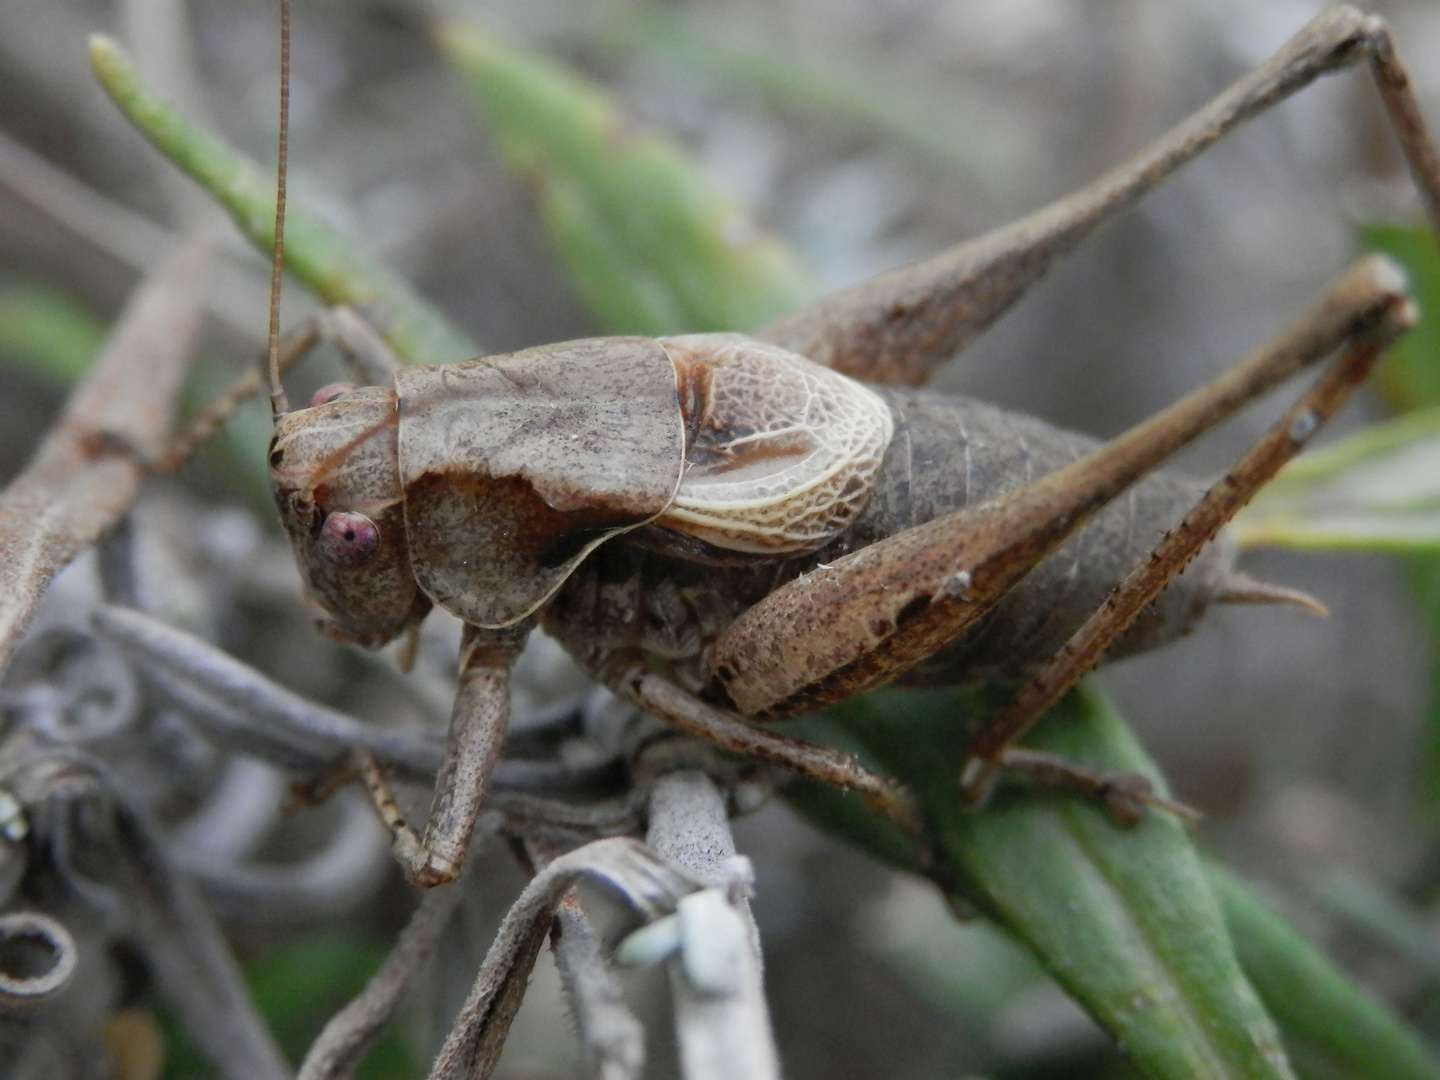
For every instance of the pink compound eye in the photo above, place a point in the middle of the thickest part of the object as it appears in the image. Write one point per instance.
(329, 392)
(347, 539)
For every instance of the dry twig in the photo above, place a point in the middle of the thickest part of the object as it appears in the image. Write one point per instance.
(90, 466)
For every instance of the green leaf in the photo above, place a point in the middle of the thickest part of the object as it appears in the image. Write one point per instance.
(971, 970)
(842, 88)
(651, 243)
(1409, 378)
(328, 264)
(300, 987)
(1331, 1027)
(297, 989)
(1122, 918)
(49, 332)
(1383, 917)
(1423, 574)
(1378, 490)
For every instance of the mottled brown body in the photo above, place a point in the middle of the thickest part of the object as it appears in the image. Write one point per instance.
(514, 467)
(482, 486)
(510, 486)
(658, 598)
(736, 515)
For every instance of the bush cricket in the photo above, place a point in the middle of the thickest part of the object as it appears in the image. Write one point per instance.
(724, 529)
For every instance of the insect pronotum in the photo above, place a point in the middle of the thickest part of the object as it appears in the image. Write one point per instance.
(725, 528)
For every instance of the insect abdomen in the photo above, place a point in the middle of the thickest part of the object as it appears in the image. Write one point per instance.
(949, 452)
(644, 596)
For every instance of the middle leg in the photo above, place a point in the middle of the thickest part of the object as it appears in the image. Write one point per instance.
(472, 746)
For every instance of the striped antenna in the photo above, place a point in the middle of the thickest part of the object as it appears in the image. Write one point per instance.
(279, 406)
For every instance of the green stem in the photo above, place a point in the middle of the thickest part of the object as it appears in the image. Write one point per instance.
(326, 263)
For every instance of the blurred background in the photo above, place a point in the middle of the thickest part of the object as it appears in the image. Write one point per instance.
(864, 133)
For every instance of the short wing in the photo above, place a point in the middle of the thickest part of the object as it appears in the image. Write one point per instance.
(784, 452)
(515, 467)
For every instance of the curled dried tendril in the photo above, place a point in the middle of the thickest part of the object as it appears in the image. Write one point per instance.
(37, 959)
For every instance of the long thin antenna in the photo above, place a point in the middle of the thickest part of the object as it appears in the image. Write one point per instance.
(279, 406)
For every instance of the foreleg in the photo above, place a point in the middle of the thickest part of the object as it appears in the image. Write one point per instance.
(477, 729)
